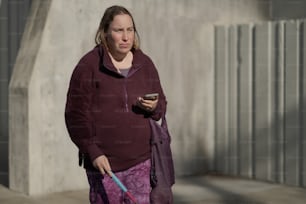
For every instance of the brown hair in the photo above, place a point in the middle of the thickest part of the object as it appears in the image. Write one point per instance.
(106, 20)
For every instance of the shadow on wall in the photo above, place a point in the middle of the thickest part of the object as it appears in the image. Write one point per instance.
(277, 151)
(288, 9)
(275, 161)
(260, 102)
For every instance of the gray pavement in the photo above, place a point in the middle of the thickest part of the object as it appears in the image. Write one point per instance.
(207, 189)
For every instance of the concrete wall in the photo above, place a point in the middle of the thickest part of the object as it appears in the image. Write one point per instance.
(288, 9)
(260, 125)
(177, 34)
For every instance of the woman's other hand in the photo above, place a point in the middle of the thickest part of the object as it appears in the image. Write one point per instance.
(147, 105)
(102, 164)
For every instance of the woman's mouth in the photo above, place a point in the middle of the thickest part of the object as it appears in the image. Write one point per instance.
(124, 45)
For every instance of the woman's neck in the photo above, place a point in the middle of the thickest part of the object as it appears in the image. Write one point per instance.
(122, 61)
(117, 56)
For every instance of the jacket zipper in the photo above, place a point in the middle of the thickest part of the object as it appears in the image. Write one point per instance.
(132, 71)
(126, 107)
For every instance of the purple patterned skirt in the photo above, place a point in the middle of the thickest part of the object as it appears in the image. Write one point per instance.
(103, 190)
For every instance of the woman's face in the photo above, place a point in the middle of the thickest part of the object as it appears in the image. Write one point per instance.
(120, 35)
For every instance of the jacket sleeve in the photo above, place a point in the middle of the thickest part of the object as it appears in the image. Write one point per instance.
(156, 87)
(78, 115)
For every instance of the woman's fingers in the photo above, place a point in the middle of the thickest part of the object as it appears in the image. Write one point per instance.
(102, 164)
(102, 171)
(148, 105)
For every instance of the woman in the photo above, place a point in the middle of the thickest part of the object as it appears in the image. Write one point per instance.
(107, 116)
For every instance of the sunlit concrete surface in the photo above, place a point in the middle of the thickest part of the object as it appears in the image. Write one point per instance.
(193, 190)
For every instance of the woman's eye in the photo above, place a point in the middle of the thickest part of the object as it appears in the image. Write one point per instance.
(119, 30)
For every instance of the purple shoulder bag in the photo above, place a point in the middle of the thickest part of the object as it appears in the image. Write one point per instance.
(162, 169)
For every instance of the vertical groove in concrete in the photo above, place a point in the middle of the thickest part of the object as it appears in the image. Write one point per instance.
(4, 78)
(300, 32)
(221, 98)
(292, 103)
(303, 54)
(272, 103)
(279, 101)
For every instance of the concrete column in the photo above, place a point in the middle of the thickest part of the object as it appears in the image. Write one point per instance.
(233, 96)
(292, 104)
(264, 106)
(42, 158)
(245, 101)
(279, 100)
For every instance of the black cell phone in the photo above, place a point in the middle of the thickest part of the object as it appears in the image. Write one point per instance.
(152, 96)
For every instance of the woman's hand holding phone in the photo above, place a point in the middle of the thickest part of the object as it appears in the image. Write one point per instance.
(148, 102)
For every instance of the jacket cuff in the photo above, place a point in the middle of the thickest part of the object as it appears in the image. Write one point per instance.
(157, 113)
(93, 152)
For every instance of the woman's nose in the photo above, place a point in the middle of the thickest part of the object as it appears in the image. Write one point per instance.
(125, 35)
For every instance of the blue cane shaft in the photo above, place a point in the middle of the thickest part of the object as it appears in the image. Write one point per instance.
(118, 182)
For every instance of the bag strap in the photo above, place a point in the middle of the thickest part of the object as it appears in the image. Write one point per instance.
(164, 122)
(164, 125)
